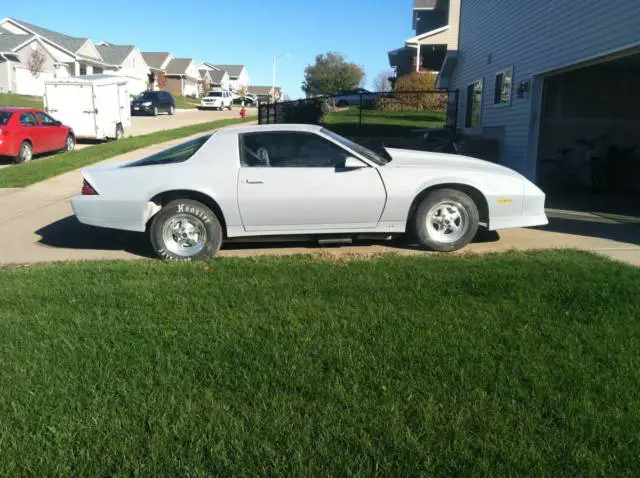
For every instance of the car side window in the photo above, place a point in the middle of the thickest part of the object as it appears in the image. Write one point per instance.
(46, 120)
(290, 150)
(28, 119)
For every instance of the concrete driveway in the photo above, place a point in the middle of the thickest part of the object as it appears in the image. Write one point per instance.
(37, 225)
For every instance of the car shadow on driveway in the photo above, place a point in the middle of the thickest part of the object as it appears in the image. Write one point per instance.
(69, 233)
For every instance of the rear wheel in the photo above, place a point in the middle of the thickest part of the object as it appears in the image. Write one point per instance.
(446, 220)
(26, 153)
(186, 230)
(172, 110)
(230, 105)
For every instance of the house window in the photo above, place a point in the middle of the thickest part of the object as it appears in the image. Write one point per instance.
(83, 70)
(97, 70)
(504, 82)
(474, 105)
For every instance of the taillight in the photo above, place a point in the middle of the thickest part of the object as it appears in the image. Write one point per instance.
(87, 189)
(4, 132)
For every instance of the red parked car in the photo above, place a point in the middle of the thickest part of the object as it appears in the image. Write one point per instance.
(25, 132)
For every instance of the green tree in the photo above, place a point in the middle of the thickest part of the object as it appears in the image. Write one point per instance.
(331, 74)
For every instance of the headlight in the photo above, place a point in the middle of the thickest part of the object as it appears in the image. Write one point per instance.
(146, 103)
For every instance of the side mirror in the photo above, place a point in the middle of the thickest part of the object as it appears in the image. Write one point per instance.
(353, 163)
(57, 123)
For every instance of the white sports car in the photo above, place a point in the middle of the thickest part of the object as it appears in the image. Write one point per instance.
(292, 180)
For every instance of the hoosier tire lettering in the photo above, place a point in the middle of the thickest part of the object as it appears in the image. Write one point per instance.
(212, 233)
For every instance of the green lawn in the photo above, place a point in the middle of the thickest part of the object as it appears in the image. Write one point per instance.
(496, 365)
(9, 99)
(184, 102)
(21, 175)
(376, 123)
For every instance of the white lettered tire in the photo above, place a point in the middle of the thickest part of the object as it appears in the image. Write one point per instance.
(185, 230)
(446, 220)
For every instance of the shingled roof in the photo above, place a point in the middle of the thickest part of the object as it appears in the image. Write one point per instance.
(155, 59)
(178, 66)
(9, 41)
(73, 44)
(234, 70)
(114, 54)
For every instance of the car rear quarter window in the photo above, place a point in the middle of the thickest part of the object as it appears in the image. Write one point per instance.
(5, 116)
(177, 154)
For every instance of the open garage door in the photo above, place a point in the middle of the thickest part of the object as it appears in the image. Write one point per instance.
(590, 130)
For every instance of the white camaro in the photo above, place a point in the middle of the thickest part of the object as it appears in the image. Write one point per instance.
(286, 180)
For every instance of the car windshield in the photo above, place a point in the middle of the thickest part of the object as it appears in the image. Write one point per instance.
(4, 117)
(367, 153)
(214, 94)
(177, 154)
(144, 96)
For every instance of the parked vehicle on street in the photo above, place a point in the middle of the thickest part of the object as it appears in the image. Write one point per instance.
(94, 106)
(28, 132)
(153, 103)
(248, 100)
(352, 97)
(302, 180)
(218, 99)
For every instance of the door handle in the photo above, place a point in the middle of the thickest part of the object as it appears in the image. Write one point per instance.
(253, 181)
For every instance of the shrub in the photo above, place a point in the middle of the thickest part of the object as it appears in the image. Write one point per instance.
(305, 111)
(416, 91)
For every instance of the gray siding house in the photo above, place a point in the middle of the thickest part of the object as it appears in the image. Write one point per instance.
(436, 23)
(539, 77)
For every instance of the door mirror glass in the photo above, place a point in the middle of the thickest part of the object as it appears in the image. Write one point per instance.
(351, 163)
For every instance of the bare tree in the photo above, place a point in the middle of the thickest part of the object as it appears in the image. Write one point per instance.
(382, 82)
(36, 61)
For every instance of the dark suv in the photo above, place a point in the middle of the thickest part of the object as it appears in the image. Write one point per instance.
(153, 102)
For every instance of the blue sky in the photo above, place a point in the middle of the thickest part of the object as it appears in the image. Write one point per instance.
(225, 32)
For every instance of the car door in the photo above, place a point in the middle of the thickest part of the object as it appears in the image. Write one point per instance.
(33, 131)
(53, 133)
(164, 102)
(295, 181)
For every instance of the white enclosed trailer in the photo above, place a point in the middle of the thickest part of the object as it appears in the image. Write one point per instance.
(95, 106)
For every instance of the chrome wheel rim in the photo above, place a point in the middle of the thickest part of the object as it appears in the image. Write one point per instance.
(447, 222)
(70, 144)
(184, 235)
(26, 153)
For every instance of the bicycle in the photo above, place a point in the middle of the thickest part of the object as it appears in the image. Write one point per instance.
(588, 170)
(558, 172)
(598, 170)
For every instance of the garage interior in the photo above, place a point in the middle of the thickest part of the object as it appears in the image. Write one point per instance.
(589, 151)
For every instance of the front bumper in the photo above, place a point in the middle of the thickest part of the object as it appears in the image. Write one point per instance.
(205, 106)
(141, 109)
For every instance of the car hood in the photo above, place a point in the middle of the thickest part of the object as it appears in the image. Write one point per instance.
(407, 158)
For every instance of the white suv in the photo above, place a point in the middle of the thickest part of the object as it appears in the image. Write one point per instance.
(219, 99)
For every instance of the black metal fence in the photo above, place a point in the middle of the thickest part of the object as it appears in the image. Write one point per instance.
(395, 110)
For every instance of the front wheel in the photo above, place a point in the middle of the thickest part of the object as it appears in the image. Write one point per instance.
(446, 220)
(155, 111)
(70, 143)
(185, 230)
